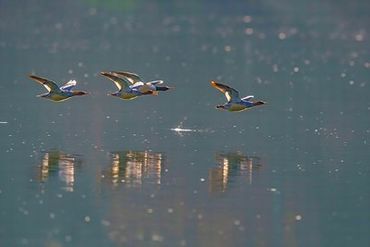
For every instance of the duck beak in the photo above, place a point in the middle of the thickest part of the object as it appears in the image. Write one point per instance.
(260, 103)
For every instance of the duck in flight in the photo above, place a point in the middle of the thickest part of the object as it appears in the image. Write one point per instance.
(131, 86)
(234, 102)
(144, 87)
(126, 90)
(56, 93)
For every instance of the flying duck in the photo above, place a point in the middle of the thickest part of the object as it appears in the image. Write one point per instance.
(56, 93)
(126, 89)
(140, 85)
(234, 102)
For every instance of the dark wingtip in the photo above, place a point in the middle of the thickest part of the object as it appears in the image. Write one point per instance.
(110, 75)
(32, 76)
(38, 78)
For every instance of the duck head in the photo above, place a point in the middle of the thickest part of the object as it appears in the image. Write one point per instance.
(79, 93)
(259, 103)
(163, 88)
(116, 94)
(220, 107)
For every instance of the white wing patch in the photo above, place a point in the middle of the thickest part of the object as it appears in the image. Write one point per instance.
(119, 85)
(156, 82)
(249, 97)
(228, 96)
(68, 86)
(47, 87)
(137, 84)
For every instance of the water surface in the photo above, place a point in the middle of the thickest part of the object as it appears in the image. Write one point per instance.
(171, 170)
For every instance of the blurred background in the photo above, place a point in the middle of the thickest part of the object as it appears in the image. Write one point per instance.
(99, 171)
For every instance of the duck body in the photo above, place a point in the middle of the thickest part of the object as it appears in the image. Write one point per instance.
(126, 90)
(147, 88)
(126, 94)
(56, 93)
(57, 97)
(238, 106)
(131, 86)
(235, 103)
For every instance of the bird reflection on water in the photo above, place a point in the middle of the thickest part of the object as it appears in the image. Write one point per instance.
(232, 165)
(62, 164)
(133, 167)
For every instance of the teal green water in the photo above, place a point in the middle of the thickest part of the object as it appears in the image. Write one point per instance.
(99, 171)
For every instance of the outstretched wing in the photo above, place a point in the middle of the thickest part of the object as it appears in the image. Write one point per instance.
(120, 82)
(230, 93)
(48, 84)
(133, 78)
(247, 98)
(68, 85)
